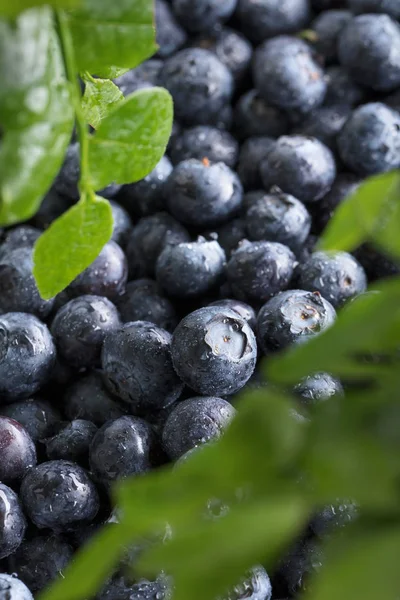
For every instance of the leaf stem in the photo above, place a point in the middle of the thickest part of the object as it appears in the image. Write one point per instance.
(83, 134)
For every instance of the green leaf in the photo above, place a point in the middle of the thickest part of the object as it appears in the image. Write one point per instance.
(12, 9)
(119, 33)
(370, 213)
(35, 111)
(131, 140)
(71, 244)
(99, 98)
(113, 72)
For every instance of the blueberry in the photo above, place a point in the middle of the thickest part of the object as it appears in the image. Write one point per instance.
(369, 142)
(342, 89)
(144, 301)
(12, 522)
(250, 198)
(317, 388)
(390, 7)
(292, 317)
(137, 367)
(279, 217)
(22, 236)
(376, 264)
(27, 355)
(121, 448)
(301, 166)
(203, 194)
(214, 351)
(344, 185)
(333, 518)
(170, 36)
(338, 276)
(200, 15)
(195, 421)
(19, 292)
(120, 588)
(254, 116)
(327, 27)
(59, 495)
(148, 239)
(72, 442)
(53, 206)
(88, 399)
(393, 100)
(12, 588)
(122, 224)
(368, 48)
(146, 197)
(106, 276)
(324, 123)
(79, 329)
(190, 269)
(37, 416)
(230, 235)
(41, 560)
(301, 564)
(207, 142)
(199, 84)
(18, 453)
(256, 586)
(287, 75)
(268, 18)
(259, 270)
(252, 153)
(145, 75)
(245, 311)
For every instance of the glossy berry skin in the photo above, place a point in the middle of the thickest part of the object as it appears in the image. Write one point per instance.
(79, 329)
(287, 75)
(41, 560)
(119, 588)
(254, 116)
(324, 123)
(121, 448)
(170, 36)
(369, 142)
(256, 586)
(214, 351)
(202, 194)
(191, 269)
(333, 518)
(230, 235)
(88, 399)
(301, 166)
(195, 421)
(19, 292)
(269, 18)
(144, 301)
(122, 224)
(292, 317)
(252, 153)
(200, 15)
(368, 48)
(17, 450)
(27, 355)
(22, 236)
(137, 367)
(342, 89)
(259, 270)
(148, 239)
(279, 217)
(199, 84)
(12, 522)
(146, 197)
(208, 142)
(318, 388)
(59, 495)
(12, 588)
(344, 185)
(72, 442)
(327, 27)
(245, 311)
(37, 416)
(390, 7)
(338, 277)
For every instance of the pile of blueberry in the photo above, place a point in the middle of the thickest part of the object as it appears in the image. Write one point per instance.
(282, 108)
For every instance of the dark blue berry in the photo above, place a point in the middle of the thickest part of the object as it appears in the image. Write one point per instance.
(214, 351)
(333, 518)
(256, 586)
(12, 588)
(203, 194)
(191, 269)
(200, 15)
(252, 153)
(122, 224)
(27, 355)
(342, 89)
(144, 76)
(230, 235)
(317, 388)
(59, 495)
(301, 166)
(195, 421)
(324, 123)
(137, 367)
(344, 185)
(53, 206)
(79, 329)
(259, 270)
(170, 36)
(268, 18)
(37, 416)
(72, 442)
(376, 264)
(254, 116)
(144, 301)
(120, 588)
(12, 522)
(17, 450)
(23, 236)
(390, 7)
(300, 565)
(327, 27)
(245, 311)
(207, 142)
(338, 277)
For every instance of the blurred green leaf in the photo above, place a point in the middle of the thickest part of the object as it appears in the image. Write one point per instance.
(12, 9)
(119, 33)
(99, 98)
(71, 244)
(35, 111)
(131, 140)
